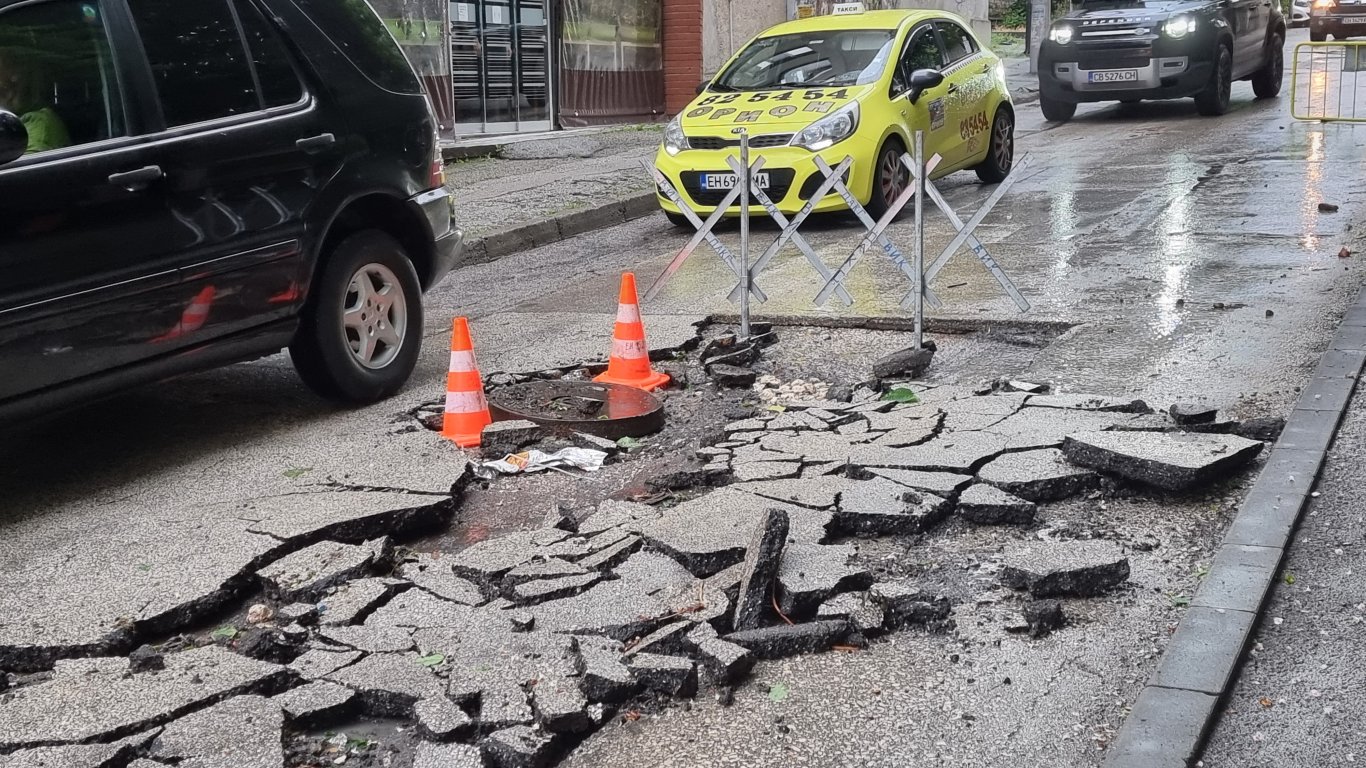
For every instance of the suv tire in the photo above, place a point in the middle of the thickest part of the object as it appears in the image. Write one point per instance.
(1055, 111)
(1000, 149)
(361, 329)
(1213, 101)
(1317, 37)
(1266, 82)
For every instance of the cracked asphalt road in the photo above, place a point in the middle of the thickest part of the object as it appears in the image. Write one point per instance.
(1166, 239)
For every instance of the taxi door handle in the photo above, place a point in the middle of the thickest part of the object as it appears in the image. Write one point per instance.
(952, 89)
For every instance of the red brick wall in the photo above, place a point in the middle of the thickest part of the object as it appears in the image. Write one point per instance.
(682, 52)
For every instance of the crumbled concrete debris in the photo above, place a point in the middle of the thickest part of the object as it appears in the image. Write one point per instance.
(1170, 461)
(603, 676)
(268, 644)
(439, 719)
(946, 484)
(809, 573)
(560, 705)
(613, 555)
(911, 363)
(517, 747)
(720, 345)
(864, 614)
(370, 639)
(724, 661)
(668, 639)
(1265, 429)
(1193, 413)
(987, 505)
(594, 443)
(762, 558)
(308, 573)
(710, 533)
(882, 507)
(1041, 617)
(741, 356)
(1040, 475)
(522, 621)
(389, 684)
(732, 376)
(1064, 568)
(504, 437)
(319, 663)
(90, 699)
(305, 614)
(669, 675)
(70, 756)
(904, 604)
(259, 613)
(784, 640)
(430, 755)
(145, 659)
(1081, 402)
(541, 590)
(353, 601)
(242, 732)
(696, 602)
(316, 704)
(620, 608)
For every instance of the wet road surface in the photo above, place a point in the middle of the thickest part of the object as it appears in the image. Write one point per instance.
(1188, 254)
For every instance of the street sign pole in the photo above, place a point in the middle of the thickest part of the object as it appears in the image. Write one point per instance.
(1040, 19)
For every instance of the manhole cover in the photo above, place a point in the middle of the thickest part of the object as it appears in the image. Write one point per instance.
(606, 410)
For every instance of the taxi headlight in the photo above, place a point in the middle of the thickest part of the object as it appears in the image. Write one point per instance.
(675, 140)
(829, 130)
(1178, 27)
(1061, 34)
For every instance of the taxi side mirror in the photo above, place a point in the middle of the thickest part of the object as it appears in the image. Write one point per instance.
(922, 80)
(13, 137)
(702, 87)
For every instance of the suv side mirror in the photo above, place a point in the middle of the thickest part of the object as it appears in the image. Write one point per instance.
(924, 79)
(13, 137)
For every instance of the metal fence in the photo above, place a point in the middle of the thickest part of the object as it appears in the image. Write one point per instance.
(1326, 83)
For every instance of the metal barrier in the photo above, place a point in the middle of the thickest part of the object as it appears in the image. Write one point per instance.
(833, 182)
(1325, 82)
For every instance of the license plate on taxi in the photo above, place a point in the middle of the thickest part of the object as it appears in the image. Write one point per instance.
(724, 182)
(1113, 76)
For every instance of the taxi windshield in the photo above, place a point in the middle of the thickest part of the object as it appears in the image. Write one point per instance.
(838, 57)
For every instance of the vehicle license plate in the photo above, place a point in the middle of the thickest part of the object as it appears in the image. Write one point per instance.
(723, 182)
(1114, 76)
(1354, 20)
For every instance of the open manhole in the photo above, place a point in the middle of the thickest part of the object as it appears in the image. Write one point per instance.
(606, 410)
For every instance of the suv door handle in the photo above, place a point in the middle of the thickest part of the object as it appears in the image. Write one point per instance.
(315, 144)
(136, 181)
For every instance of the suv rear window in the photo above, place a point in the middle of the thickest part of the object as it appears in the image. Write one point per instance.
(360, 35)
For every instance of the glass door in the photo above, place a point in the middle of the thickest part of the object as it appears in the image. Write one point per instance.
(500, 65)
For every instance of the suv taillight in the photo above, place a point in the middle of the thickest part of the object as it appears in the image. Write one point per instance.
(438, 177)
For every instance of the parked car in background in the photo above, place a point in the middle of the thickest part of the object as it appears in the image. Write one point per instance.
(187, 185)
(1299, 13)
(1340, 18)
(1161, 49)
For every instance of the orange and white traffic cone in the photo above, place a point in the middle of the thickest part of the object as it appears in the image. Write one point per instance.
(467, 412)
(630, 361)
(194, 316)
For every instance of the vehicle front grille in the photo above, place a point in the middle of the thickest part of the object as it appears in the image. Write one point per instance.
(780, 181)
(1115, 58)
(755, 142)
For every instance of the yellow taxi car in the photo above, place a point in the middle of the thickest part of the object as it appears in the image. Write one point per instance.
(857, 84)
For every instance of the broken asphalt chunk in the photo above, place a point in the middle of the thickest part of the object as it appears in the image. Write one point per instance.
(430, 755)
(1039, 475)
(724, 662)
(710, 533)
(1083, 402)
(1192, 413)
(541, 590)
(517, 747)
(390, 684)
(603, 676)
(905, 604)
(242, 732)
(504, 437)
(762, 559)
(317, 704)
(370, 639)
(783, 640)
(732, 376)
(910, 363)
(306, 574)
(351, 602)
(946, 484)
(439, 719)
(670, 675)
(809, 573)
(987, 505)
(90, 699)
(865, 615)
(317, 663)
(1170, 461)
(882, 507)
(1064, 568)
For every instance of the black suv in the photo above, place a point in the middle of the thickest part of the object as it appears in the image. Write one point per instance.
(186, 184)
(1130, 51)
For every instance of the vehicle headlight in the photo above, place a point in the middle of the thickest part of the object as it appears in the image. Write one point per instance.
(1324, 3)
(675, 140)
(1061, 34)
(828, 130)
(1178, 27)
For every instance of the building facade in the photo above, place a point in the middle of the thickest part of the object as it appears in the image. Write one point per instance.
(509, 66)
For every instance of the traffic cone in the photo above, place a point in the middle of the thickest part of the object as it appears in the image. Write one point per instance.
(630, 361)
(194, 316)
(467, 412)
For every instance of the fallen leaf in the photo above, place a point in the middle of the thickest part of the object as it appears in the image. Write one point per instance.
(1265, 702)
(1289, 577)
(433, 660)
(631, 716)
(1180, 600)
(629, 444)
(226, 632)
(777, 693)
(776, 408)
(144, 567)
(297, 472)
(901, 395)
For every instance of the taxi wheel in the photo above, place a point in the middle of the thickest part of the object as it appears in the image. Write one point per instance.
(1001, 154)
(890, 180)
(678, 220)
(1055, 111)
(1213, 101)
(1266, 83)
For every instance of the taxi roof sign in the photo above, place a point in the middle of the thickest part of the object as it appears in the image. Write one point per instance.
(847, 9)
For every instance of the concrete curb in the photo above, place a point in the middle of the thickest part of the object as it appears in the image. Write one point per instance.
(1167, 726)
(496, 245)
